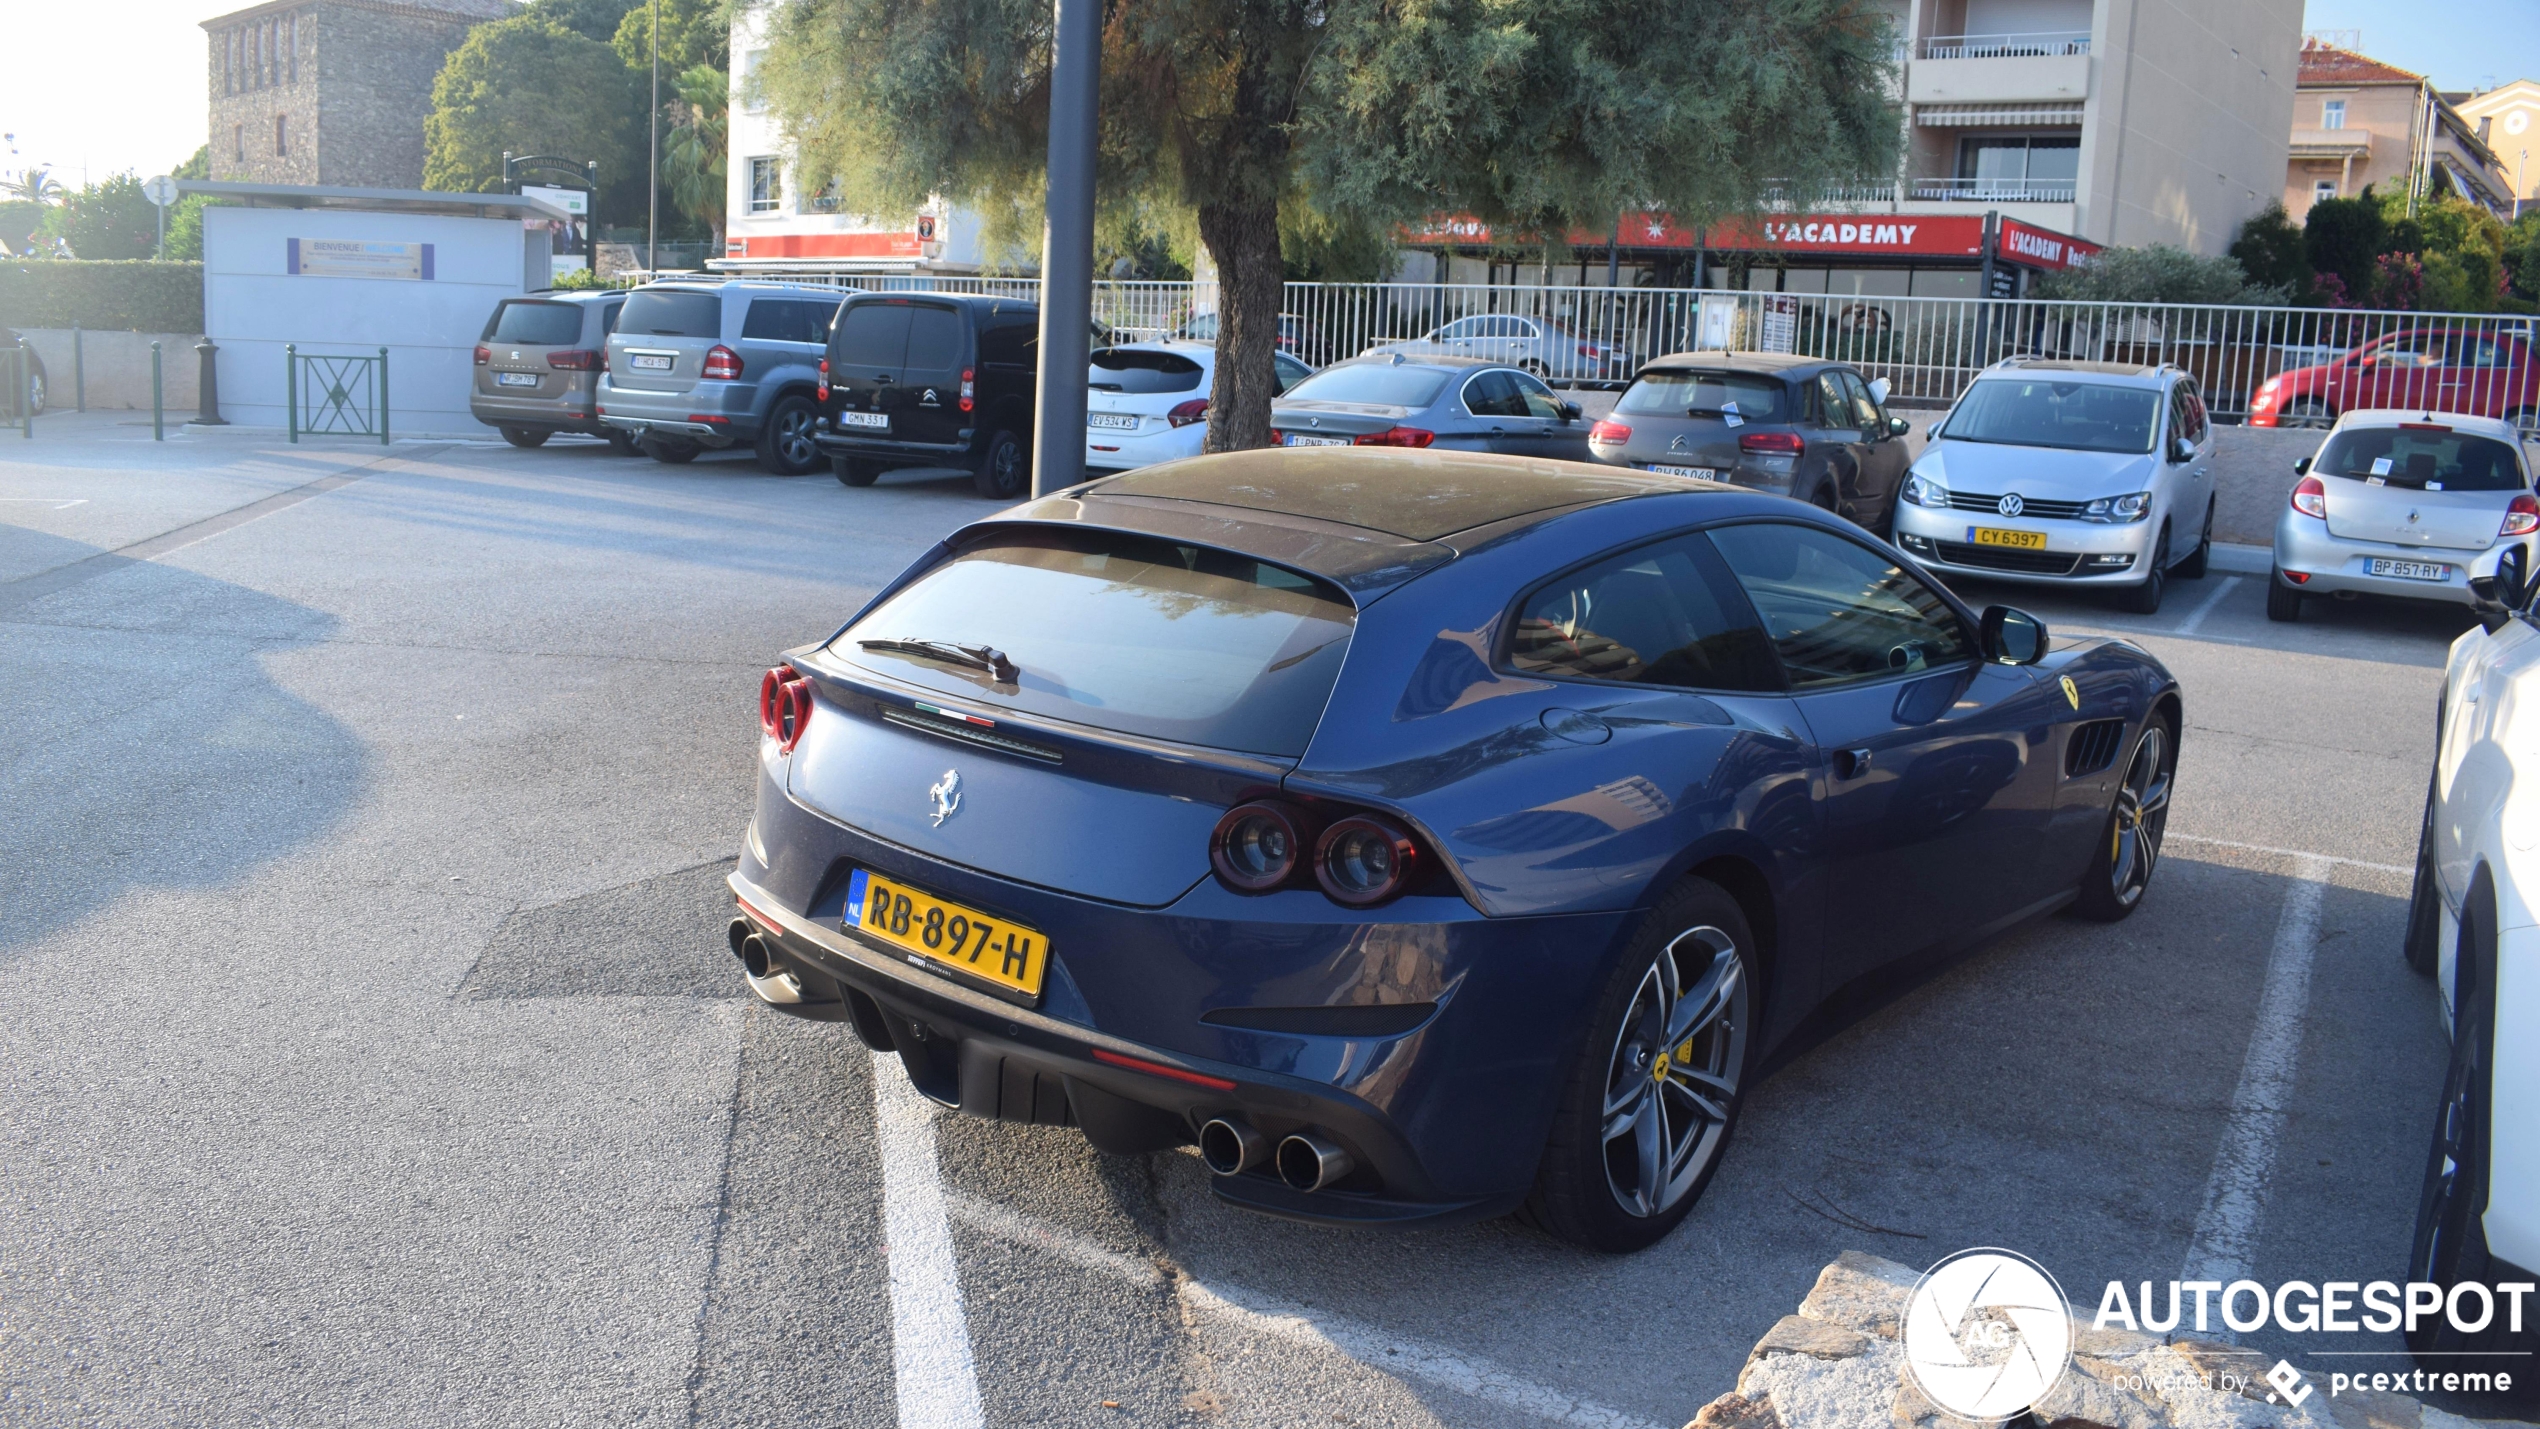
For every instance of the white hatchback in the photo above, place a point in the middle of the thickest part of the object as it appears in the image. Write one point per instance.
(2474, 923)
(1148, 402)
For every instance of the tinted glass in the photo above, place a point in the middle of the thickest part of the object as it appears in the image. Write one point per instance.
(1837, 610)
(546, 324)
(1126, 633)
(608, 317)
(1460, 328)
(1491, 394)
(1538, 398)
(1291, 371)
(1834, 405)
(2427, 460)
(1757, 398)
(1865, 412)
(1660, 615)
(671, 313)
(1011, 344)
(871, 335)
(781, 320)
(1379, 384)
(934, 339)
(1132, 369)
(2048, 412)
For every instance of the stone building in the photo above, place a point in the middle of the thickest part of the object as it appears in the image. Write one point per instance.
(331, 91)
(2359, 122)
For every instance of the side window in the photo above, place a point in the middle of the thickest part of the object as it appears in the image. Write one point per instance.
(1520, 327)
(1663, 614)
(1291, 371)
(1868, 418)
(816, 320)
(608, 318)
(1491, 394)
(768, 320)
(1832, 402)
(2195, 404)
(1459, 329)
(1011, 344)
(2182, 419)
(1538, 398)
(1836, 610)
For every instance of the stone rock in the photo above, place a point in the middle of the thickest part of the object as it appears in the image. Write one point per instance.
(1911, 1410)
(2245, 1371)
(2093, 1392)
(1811, 1393)
(2363, 1409)
(1862, 1292)
(2108, 1344)
(1736, 1411)
(1798, 1335)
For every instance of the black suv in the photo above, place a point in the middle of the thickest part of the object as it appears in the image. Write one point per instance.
(931, 379)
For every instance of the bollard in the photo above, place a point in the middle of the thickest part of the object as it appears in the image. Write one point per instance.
(158, 404)
(79, 366)
(291, 387)
(207, 386)
(383, 396)
(26, 393)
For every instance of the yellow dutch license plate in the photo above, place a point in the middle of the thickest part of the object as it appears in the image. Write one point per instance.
(935, 929)
(1996, 536)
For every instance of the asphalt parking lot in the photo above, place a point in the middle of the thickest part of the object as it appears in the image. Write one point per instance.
(372, 1055)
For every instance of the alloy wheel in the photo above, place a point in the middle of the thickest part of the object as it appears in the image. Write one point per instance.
(2143, 809)
(1672, 1080)
(793, 438)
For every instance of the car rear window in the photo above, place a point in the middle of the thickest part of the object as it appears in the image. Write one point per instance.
(2070, 416)
(1375, 384)
(1750, 396)
(1132, 369)
(1124, 633)
(543, 323)
(672, 314)
(874, 334)
(2426, 457)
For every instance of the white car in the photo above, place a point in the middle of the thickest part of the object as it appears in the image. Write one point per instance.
(2474, 924)
(2402, 503)
(1149, 402)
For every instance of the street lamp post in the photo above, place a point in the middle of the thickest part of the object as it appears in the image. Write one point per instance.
(1067, 247)
(652, 162)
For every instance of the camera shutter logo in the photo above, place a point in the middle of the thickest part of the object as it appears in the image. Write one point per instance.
(1987, 1334)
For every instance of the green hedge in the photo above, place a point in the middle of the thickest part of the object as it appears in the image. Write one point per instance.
(103, 296)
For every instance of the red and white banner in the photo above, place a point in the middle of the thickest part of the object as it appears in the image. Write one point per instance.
(2033, 247)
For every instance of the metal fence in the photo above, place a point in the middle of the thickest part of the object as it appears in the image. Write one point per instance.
(336, 396)
(1927, 349)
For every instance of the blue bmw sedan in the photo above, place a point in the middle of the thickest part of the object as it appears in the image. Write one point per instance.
(1427, 835)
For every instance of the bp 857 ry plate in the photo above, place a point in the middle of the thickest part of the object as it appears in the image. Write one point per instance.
(932, 931)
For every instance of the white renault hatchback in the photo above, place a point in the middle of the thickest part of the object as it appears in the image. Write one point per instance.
(2474, 924)
(2408, 504)
(1149, 402)
(2054, 472)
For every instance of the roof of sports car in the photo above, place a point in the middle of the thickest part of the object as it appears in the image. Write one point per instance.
(1416, 495)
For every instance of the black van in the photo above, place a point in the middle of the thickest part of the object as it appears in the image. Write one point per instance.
(931, 379)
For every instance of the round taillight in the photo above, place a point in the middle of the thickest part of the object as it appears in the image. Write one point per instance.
(784, 707)
(1364, 860)
(1257, 846)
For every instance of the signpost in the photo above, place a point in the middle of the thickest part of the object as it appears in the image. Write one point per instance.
(1067, 248)
(161, 191)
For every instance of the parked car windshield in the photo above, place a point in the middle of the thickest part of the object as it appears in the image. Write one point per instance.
(2039, 412)
(1124, 633)
(672, 313)
(527, 320)
(1143, 369)
(2429, 458)
(1375, 384)
(1755, 397)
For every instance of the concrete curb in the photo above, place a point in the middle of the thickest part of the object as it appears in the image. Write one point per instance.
(2241, 560)
(1840, 1364)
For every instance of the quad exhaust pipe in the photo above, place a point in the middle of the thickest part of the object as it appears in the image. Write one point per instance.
(767, 976)
(1231, 1148)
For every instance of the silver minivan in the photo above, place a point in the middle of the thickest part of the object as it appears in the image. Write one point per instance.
(538, 367)
(699, 365)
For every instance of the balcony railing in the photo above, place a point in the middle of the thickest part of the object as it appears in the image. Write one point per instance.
(1992, 190)
(1987, 47)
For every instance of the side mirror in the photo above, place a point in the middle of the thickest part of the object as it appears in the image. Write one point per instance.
(1879, 391)
(1898, 426)
(1569, 411)
(2370, 359)
(2182, 451)
(2302, 466)
(2495, 598)
(2013, 637)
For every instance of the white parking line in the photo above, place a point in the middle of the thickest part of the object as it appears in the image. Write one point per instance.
(2287, 852)
(1268, 1316)
(930, 1335)
(58, 503)
(2206, 606)
(2226, 1240)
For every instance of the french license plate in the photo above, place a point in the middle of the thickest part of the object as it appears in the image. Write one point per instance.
(650, 362)
(1704, 473)
(515, 379)
(2409, 570)
(1111, 422)
(2016, 540)
(870, 421)
(1300, 439)
(928, 928)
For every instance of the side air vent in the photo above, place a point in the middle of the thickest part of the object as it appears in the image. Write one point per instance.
(2093, 747)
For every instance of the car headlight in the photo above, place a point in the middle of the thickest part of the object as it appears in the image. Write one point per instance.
(1921, 490)
(2118, 510)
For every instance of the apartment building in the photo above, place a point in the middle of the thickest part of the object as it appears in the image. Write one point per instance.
(2507, 121)
(2358, 122)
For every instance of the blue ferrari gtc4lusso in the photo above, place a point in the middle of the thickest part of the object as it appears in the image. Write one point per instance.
(1428, 836)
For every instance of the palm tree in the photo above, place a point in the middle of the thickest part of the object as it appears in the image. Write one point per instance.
(34, 185)
(692, 151)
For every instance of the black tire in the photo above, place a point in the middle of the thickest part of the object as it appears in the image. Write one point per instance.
(622, 443)
(853, 471)
(2283, 601)
(2425, 923)
(785, 447)
(2306, 412)
(2450, 1244)
(35, 393)
(526, 436)
(2145, 599)
(670, 450)
(1005, 468)
(2193, 568)
(1693, 967)
(2128, 849)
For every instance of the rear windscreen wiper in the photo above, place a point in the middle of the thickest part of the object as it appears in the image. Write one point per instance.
(976, 657)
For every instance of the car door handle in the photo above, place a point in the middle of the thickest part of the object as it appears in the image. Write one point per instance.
(1851, 763)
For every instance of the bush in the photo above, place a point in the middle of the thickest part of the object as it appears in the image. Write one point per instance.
(108, 219)
(136, 296)
(2269, 250)
(2346, 237)
(2157, 273)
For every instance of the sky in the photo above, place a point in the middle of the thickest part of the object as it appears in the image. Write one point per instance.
(120, 86)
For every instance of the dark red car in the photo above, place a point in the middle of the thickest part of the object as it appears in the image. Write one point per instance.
(2484, 374)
